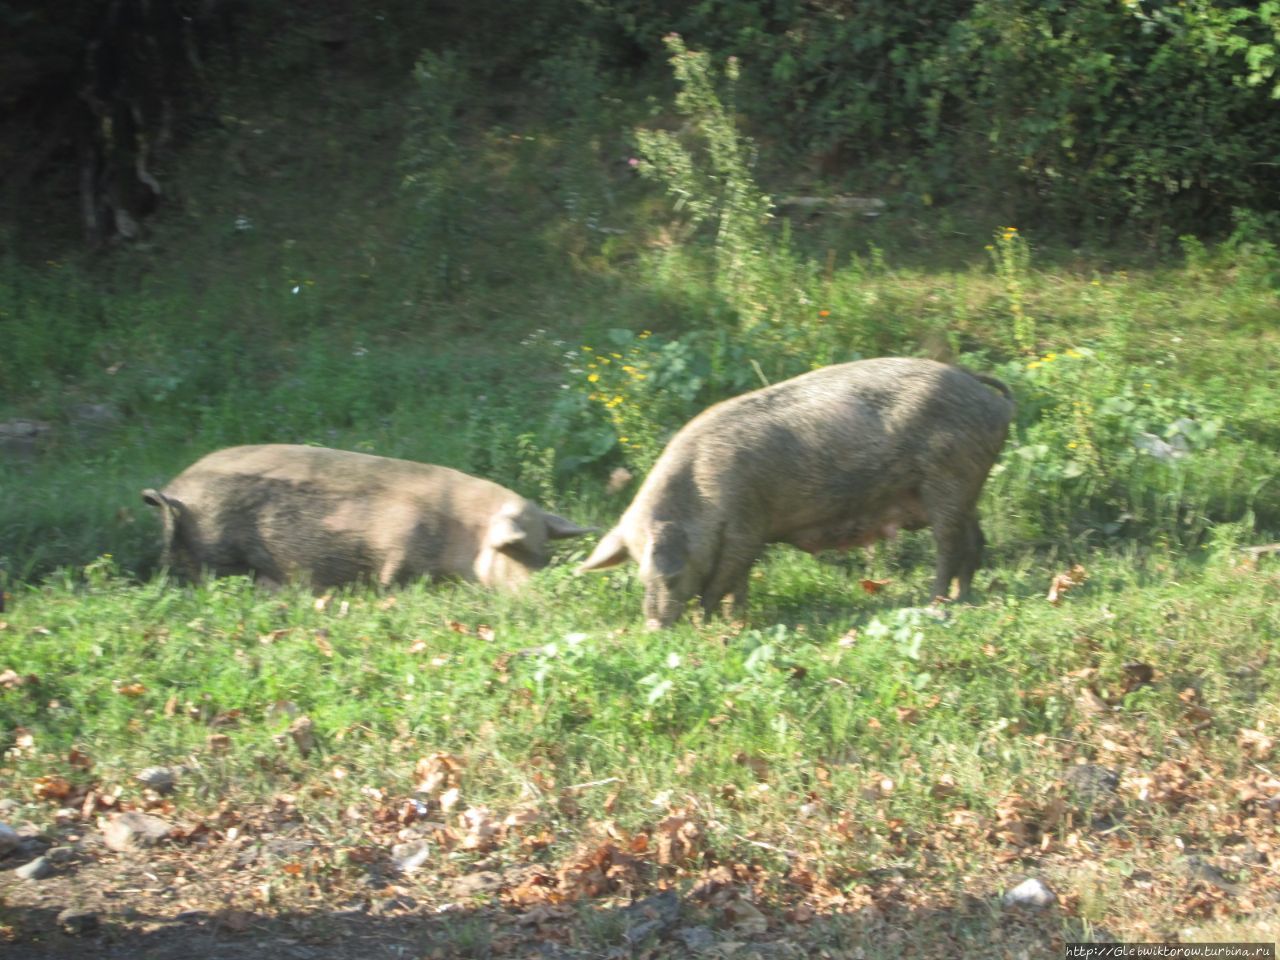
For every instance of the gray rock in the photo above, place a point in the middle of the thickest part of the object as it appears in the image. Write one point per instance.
(159, 779)
(1030, 893)
(477, 884)
(651, 916)
(9, 839)
(1091, 781)
(37, 869)
(77, 922)
(131, 830)
(696, 939)
(19, 439)
(60, 855)
(409, 857)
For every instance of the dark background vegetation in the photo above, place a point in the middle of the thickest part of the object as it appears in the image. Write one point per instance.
(1095, 116)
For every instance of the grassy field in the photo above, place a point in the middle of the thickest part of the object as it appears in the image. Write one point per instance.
(445, 772)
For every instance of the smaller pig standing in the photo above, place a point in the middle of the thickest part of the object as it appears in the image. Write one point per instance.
(331, 517)
(839, 457)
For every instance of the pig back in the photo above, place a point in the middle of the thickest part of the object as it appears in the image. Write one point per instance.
(859, 437)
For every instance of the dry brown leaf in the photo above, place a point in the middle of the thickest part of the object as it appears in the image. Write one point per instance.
(483, 831)
(1064, 582)
(131, 689)
(757, 765)
(437, 772)
(485, 632)
(303, 733)
(875, 586)
(78, 759)
(1256, 744)
(322, 642)
(51, 788)
(218, 743)
(679, 838)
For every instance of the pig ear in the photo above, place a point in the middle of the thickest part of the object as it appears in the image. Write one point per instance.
(157, 499)
(609, 552)
(668, 550)
(505, 531)
(558, 528)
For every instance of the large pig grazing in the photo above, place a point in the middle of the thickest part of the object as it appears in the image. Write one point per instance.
(836, 458)
(331, 517)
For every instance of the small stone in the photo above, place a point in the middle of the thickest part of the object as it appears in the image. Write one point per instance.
(37, 869)
(77, 922)
(130, 830)
(408, 857)
(1092, 781)
(159, 779)
(696, 939)
(9, 839)
(745, 919)
(60, 855)
(1030, 893)
(476, 884)
(303, 732)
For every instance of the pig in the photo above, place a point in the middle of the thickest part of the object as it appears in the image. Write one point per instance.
(331, 517)
(838, 457)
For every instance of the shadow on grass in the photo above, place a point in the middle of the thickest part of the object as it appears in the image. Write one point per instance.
(663, 925)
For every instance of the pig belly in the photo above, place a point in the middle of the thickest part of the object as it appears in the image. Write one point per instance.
(905, 514)
(842, 536)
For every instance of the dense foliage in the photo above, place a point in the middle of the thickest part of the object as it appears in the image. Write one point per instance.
(1089, 115)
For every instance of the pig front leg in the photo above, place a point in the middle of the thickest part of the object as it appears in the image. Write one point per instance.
(725, 591)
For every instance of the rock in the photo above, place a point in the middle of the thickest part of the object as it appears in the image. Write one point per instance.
(77, 922)
(131, 830)
(19, 439)
(1091, 781)
(650, 916)
(1030, 893)
(1198, 868)
(696, 939)
(409, 856)
(745, 919)
(37, 869)
(476, 884)
(9, 839)
(60, 855)
(159, 779)
(303, 733)
(91, 420)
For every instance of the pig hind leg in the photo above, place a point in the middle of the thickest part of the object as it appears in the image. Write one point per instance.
(958, 537)
(971, 558)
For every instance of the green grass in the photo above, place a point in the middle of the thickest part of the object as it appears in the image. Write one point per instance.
(958, 712)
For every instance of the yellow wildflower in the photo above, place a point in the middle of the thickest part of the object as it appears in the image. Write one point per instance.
(592, 377)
